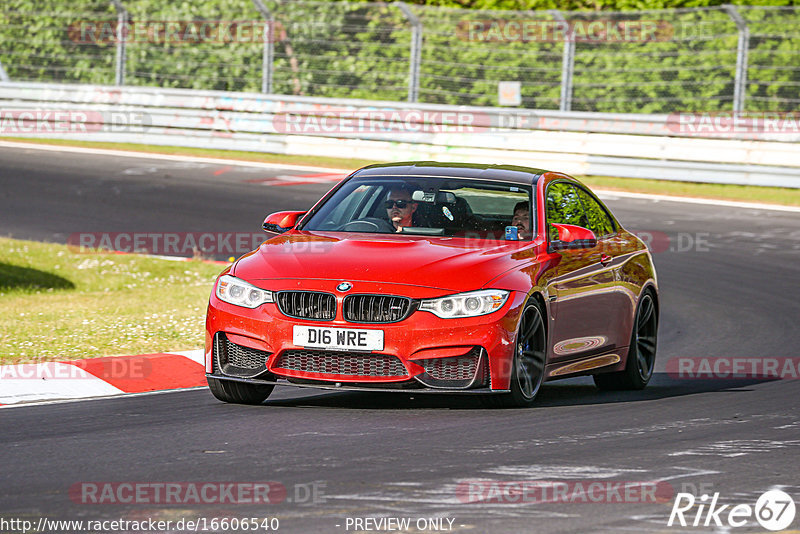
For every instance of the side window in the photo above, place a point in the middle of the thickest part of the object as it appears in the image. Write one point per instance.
(372, 204)
(343, 212)
(599, 221)
(564, 207)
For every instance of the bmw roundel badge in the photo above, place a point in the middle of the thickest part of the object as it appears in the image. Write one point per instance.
(344, 286)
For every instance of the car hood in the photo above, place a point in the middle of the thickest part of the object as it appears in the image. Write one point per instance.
(447, 263)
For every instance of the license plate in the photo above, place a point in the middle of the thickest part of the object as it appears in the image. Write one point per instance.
(337, 338)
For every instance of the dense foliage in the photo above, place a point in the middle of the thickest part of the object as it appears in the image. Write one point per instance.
(362, 50)
(610, 5)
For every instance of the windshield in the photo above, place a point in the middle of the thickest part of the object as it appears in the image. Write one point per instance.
(454, 207)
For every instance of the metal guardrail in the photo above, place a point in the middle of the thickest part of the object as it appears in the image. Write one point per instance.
(627, 145)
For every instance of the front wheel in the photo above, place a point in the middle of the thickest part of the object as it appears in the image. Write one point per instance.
(527, 373)
(641, 354)
(239, 392)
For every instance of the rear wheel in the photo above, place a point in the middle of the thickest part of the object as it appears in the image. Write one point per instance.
(641, 354)
(527, 373)
(239, 392)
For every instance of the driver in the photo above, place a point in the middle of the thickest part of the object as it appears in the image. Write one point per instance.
(522, 220)
(400, 208)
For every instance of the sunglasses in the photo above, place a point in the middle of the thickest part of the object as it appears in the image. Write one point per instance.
(402, 204)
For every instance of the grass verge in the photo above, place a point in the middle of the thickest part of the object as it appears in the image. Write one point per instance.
(59, 305)
(745, 193)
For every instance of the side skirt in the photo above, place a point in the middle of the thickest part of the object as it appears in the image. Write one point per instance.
(584, 366)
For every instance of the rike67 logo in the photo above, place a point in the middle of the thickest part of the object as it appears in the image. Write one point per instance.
(774, 510)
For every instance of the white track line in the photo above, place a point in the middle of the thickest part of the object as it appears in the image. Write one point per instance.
(170, 157)
(264, 165)
(121, 395)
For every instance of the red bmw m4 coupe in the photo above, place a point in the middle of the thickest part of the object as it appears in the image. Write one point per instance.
(441, 278)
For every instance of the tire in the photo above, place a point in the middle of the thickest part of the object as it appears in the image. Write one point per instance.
(641, 354)
(239, 392)
(527, 373)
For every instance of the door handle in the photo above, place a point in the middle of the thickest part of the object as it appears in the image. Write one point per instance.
(605, 259)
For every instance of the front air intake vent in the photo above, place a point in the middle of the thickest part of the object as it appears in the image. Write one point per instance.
(376, 308)
(340, 363)
(457, 372)
(307, 305)
(236, 360)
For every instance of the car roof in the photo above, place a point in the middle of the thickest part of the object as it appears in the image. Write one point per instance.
(511, 173)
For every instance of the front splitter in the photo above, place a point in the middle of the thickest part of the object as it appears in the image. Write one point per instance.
(345, 387)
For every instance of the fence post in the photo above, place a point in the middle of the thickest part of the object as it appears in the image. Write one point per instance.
(740, 82)
(122, 30)
(269, 47)
(3, 74)
(414, 53)
(567, 62)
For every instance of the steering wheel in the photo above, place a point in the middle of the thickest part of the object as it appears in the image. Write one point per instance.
(369, 224)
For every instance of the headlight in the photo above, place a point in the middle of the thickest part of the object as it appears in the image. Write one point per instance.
(238, 292)
(469, 304)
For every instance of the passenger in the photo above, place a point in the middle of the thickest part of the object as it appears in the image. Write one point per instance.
(522, 220)
(400, 207)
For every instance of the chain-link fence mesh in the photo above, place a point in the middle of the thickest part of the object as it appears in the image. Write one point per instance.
(773, 69)
(633, 61)
(345, 50)
(687, 64)
(221, 56)
(35, 42)
(465, 54)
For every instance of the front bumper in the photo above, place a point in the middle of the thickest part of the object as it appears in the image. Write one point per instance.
(423, 343)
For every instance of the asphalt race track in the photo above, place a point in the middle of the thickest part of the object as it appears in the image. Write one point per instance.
(729, 288)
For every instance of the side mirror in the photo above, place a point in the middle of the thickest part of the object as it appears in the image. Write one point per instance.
(282, 221)
(571, 236)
